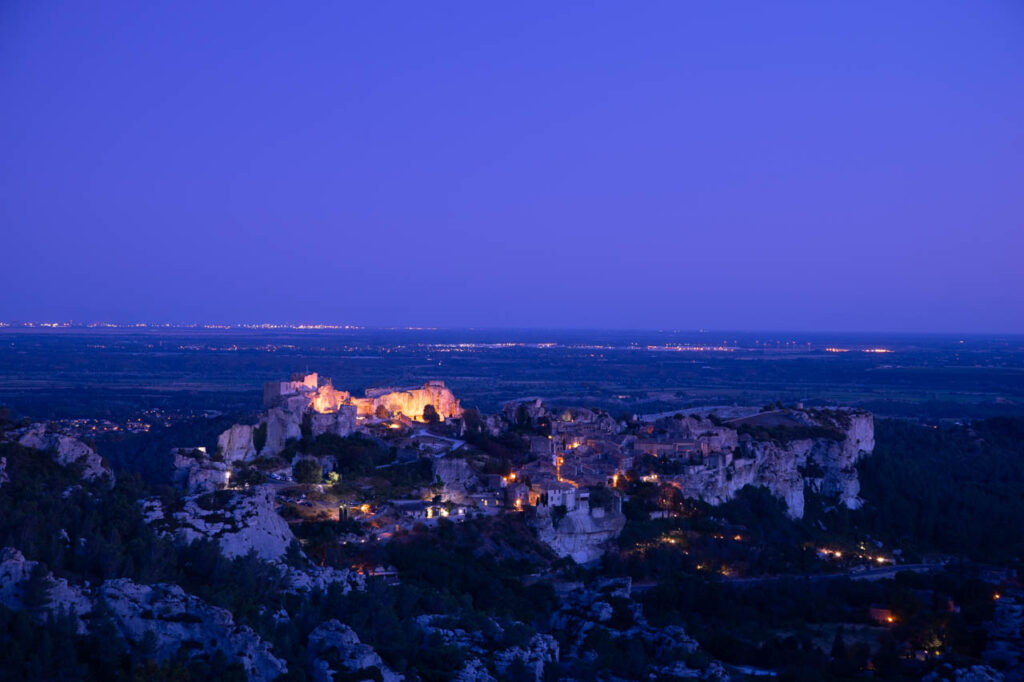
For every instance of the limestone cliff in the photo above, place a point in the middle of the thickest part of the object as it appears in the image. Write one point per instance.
(825, 462)
(341, 422)
(235, 444)
(456, 476)
(581, 533)
(285, 421)
(411, 402)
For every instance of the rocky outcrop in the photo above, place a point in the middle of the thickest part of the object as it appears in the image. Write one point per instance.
(335, 649)
(535, 653)
(580, 533)
(319, 578)
(341, 422)
(240, 521)
(586, 608)
(284, 423)
(175, 619)
(235, 444)
(15, 569)
(197, 474)
(826, 464)
(534, 411)
(67, 451)
(456, 476)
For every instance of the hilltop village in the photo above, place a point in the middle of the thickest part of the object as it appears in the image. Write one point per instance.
(567, 468)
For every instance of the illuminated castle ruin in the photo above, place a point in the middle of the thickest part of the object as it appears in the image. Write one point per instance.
(318, 395)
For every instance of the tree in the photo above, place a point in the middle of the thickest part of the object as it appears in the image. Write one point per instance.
(308, 470)
(381, 412)
(259, 437)
(35, 595)
(838, 646)
(430, 414)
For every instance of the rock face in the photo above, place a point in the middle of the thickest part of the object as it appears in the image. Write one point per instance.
(174, 617)
(196, 473)
(411, 401)
(335, 649)
(456, 476)
(579, 534)
(67, 451)
(239, 521)
(284, 423)
(826, 464)
(235, 444)
(341, 422)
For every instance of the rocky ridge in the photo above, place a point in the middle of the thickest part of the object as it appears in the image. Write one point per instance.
(174, 618)
(67, 451)
(826, 464)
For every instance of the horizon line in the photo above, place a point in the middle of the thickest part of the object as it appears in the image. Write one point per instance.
(328, 326)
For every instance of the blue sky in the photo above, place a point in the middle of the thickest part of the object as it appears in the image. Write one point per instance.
(800, 166)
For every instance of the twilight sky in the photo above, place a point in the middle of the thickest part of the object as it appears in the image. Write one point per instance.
(797, 166)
